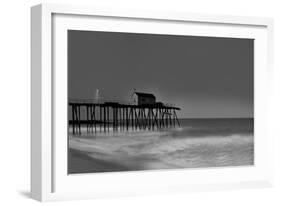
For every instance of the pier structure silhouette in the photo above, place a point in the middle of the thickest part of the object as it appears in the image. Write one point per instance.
(120, 116)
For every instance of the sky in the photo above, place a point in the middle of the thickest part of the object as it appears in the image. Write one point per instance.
(207, 77)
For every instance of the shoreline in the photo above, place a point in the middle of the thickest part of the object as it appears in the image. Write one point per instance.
(81, 162)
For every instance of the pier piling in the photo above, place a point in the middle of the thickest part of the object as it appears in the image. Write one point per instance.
(120, 116)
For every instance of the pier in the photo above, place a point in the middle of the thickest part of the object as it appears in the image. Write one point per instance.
(116, 116)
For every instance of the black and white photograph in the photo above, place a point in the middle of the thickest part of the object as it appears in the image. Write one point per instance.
(139, 101)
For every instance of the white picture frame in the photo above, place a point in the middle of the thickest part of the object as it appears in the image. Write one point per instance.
(49, 179)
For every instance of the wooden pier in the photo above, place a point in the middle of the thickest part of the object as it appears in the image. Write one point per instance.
(114, 116)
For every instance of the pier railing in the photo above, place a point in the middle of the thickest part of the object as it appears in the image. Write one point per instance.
(102, 101)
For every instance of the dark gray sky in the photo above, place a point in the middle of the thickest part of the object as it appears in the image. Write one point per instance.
(204, 76)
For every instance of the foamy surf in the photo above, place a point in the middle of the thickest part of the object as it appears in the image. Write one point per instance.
(191, 146)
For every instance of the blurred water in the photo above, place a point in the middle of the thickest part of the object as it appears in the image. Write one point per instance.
(197, 143)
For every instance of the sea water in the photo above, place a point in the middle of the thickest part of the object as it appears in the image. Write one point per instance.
(195, 143)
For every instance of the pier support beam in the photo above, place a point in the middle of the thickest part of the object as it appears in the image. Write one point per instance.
(123, 117)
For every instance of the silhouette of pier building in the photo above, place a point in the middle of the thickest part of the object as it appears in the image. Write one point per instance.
(145, 98)
(104, 116)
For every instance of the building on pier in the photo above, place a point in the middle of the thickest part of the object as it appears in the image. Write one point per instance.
(143, 99)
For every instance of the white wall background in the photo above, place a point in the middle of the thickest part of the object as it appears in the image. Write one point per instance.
(15, 101)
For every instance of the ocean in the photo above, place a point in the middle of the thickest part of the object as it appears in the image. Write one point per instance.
(197, 143)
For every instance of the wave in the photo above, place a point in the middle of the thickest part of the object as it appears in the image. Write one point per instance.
(184, 147)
